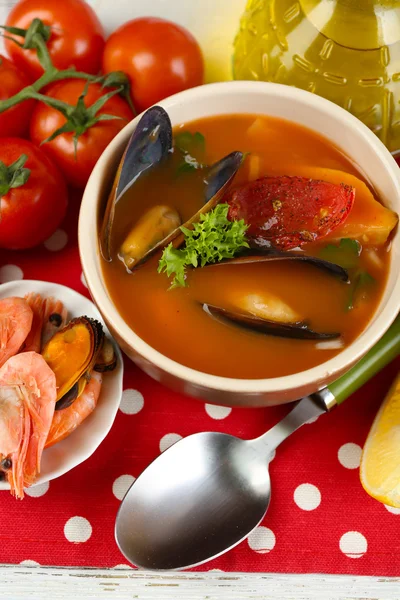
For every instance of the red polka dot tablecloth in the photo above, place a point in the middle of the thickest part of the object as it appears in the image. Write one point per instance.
(320, 520)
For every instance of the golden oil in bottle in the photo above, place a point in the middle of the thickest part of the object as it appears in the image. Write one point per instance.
(345, 50)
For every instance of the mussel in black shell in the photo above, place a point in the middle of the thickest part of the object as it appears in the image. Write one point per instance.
(151, 229)
(257, 254)
(270, 316)
(149, 144)
(72, 352)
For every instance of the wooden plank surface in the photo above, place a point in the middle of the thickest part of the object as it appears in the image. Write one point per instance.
(38, 583)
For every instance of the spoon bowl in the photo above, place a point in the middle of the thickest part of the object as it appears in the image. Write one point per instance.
(200, 498)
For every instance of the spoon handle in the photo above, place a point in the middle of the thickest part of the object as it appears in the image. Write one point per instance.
(378, 357)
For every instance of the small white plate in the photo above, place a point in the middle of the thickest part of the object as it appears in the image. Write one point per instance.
(81, 444)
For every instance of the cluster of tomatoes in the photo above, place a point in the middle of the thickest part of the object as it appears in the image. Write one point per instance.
(41, 153)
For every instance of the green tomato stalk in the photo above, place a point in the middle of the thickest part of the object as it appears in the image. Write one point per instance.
(79, 118)
(14, 175)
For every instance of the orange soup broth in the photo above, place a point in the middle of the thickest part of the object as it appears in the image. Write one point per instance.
(174, 322)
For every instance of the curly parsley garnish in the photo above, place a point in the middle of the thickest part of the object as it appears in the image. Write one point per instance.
(211, 240)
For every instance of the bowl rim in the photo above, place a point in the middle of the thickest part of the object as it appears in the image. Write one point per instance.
(90, 256)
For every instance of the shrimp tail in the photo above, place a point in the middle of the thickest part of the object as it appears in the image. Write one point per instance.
(36, 303)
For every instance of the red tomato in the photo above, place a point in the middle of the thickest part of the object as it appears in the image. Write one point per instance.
(290, 211)
(77, 36)
(32, 212)
(160, 58)
(46, 120)
(15, 121)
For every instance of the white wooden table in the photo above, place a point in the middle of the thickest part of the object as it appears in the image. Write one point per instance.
(214, 23)
(36, 583)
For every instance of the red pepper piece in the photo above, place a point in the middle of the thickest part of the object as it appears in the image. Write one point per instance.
(290, 211)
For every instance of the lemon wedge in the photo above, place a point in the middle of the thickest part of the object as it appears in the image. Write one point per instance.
(380, 462)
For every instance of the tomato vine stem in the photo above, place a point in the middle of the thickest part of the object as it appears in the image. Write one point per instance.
(36, 38)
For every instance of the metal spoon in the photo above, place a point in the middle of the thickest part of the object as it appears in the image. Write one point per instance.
(207, 492)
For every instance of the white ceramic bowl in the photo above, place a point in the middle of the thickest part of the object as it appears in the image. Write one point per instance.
(344, 131)
(81, 444)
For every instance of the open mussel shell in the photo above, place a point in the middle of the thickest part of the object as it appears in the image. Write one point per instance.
(220, 175)
(73, 351)
(68, 398)
(106, 358)
(299, 330)
(217, 180)
(77, 390)
(257, 254)
(149, 144)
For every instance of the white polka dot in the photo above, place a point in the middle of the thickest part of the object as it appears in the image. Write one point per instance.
(392, 509)
(169, 440)
(121, 485)
(10, 273)
(349, 455)
(57, 241)
(37, 490)
(132, 402)
(261, 540)
(215, 571)
(83, 279)
(307, 496)
(121, 566)
(29, 563)
(77, 529)
(217, 412)
(353, 544)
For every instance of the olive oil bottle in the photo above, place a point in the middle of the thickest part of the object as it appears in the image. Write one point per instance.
(345, 50)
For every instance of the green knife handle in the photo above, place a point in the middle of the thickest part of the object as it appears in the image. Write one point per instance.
(379, 356)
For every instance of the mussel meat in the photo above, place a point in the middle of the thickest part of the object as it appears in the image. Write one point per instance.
(149, 145)
(266, 306)
(267, 315)
(73, 351)
(152, 228)
(257, 254)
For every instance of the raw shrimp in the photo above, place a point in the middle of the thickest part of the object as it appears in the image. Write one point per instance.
(27, 400)
(66, 420)
(54, 318)
(15, 324)
(32, 342)
(49, 315)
